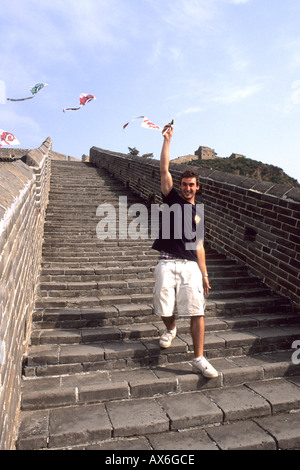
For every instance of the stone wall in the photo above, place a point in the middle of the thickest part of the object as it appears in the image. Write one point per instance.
(24, 187)
(257, 223)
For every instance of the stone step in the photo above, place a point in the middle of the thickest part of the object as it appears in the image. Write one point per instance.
(99, 263)
(137, 286)
(151, 381)
(98, 258)
(79, 332)
(85, 298)
(141, 272)
(131, 247)
(106, 348)
(213, 265)
(118, 313)
(59, 242)
(207, 417)
(119, 309)
(89, 200)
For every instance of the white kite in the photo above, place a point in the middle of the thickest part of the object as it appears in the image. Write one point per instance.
(150, 125)
(146, 123)
(7, 138)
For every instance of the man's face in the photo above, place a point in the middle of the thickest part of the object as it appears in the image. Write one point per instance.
(189, 188)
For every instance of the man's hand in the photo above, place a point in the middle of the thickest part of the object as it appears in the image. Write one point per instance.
(168, 132)
(206, 286)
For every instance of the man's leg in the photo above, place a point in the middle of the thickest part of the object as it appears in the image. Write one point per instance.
(164, 300)
(200, 364)
(169, 322)
(170, 333)
(197, 334)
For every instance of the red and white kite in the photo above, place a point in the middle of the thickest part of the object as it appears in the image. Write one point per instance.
(134, 119)
(7, 138)
(146, 123)
(83, 100)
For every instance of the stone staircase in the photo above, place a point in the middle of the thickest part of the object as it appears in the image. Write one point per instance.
(94, 376)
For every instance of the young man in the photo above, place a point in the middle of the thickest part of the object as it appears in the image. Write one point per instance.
(181, 273)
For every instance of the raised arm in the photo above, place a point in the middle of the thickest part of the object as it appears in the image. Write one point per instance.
(166, 178)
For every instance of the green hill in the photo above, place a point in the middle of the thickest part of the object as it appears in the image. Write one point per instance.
(251, 168)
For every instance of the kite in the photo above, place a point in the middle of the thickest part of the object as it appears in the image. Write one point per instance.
(34, 90)
(148, 124)
(7, 138)
(134, 119)
(83, 100)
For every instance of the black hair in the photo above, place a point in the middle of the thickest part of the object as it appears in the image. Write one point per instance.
(190, 174)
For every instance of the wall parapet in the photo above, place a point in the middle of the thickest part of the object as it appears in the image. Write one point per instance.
(24, 188)
(254, 222)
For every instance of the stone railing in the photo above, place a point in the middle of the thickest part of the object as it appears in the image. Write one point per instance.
(254, 222)
(24, 188)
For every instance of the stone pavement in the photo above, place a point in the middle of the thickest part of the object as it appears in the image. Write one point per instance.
(94, 376)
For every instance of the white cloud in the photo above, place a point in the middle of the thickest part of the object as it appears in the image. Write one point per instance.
(295, 97)
(201, 95)
(232, 94)
(239, 2)
(90, 22)
(192, 110)
(238, 58)
(2, 92)
(12, 120)
(182, 15)
(51, 30)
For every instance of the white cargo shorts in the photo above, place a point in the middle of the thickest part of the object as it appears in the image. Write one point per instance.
(178, 282)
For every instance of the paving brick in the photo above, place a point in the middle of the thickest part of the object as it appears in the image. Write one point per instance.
(190, 409)
(49, 399)
(131, 375)
(152, 387)
(81, 353)
(68, 426)
(284, 428)
(241, 375)
(239, 403)
(137, 417)
(43, 355)
(133, 444)
(114, 350)
(236, 338)
(96, 393)
(196, 439)
(194, 381)
(34, 430)
(281, 394)
(243, 435)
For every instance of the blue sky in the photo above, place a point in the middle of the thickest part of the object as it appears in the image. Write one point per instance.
(227, 71)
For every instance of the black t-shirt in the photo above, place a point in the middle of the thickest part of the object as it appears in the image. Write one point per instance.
(181, 225)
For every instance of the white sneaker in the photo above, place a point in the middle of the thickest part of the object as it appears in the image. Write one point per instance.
(167, 338)
(200, 364)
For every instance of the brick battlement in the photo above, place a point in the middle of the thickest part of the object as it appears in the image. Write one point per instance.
(255, 222)
(24, 187)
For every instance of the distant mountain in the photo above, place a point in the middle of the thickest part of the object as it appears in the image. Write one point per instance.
(247, 167)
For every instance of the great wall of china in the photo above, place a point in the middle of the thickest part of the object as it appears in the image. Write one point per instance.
(78, 339)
